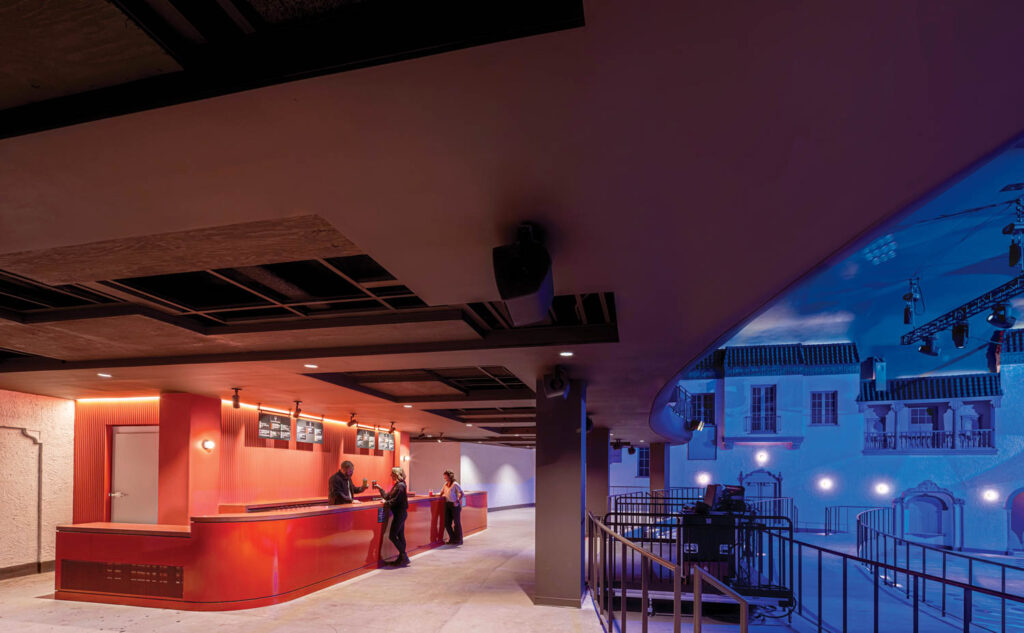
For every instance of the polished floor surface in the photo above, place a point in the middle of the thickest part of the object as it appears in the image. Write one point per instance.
(484, 585)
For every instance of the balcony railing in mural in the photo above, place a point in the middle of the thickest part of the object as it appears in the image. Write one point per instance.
(763, 423)
(929, 440)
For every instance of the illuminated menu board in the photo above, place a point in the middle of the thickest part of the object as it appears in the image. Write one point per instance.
(275, 427)
(365, 439)
(309, 431)
(386, 442)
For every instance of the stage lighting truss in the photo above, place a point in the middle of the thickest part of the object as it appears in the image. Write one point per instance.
(991, 300)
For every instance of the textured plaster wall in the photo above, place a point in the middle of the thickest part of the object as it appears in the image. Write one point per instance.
(51, 420)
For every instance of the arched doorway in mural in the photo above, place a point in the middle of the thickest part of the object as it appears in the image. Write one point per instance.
(1015, 520)
(929, 514)
(761, 484)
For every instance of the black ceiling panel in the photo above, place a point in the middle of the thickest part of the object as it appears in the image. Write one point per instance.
(315, 279)
(361, 268)
(196, 290)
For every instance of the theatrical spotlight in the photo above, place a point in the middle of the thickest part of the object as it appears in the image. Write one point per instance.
(929, 348)
(960, 334)
(908, 315)
(1014, 253)
(235, 402)
(1002, 316)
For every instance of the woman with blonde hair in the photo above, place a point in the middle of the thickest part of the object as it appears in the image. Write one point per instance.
(397, 500)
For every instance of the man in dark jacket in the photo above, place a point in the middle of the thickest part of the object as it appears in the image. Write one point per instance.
(340, 488)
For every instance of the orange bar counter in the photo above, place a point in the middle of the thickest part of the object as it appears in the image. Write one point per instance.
(240, 560)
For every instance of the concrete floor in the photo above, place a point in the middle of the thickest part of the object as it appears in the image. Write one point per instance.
(485, 585)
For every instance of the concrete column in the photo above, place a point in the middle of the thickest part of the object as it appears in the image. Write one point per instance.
(597, 471)
(561, 497)
(657, 466)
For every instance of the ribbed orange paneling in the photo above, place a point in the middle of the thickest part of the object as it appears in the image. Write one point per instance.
(255, 470)
(92, 419)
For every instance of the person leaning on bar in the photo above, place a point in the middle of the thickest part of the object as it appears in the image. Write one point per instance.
(397, 499)
(452, 493)
(340, 488)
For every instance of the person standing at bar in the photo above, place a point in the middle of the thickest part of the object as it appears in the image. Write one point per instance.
(452, 493)
(340, 488)
(397, 500)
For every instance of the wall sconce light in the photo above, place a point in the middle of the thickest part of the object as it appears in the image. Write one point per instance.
(826, 483)
(208, 445)
(703, 479)
(761, 457)
(882, 488)
(405, 458)
(235, 402)
(990, 495)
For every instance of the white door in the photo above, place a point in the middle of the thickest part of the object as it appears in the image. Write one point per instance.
(134, 474)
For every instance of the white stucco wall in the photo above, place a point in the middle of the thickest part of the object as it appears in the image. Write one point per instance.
(837, 452)
(507, 474)
(51, 420)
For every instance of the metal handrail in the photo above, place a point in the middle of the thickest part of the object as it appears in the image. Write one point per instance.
(600, 563)
(699, 577)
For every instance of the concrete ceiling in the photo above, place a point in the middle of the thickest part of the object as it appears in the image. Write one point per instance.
(693, 159)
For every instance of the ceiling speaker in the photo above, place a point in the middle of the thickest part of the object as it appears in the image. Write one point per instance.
(556, 384)
(522, 272)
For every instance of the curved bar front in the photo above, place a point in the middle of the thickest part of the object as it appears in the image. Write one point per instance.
(244, 560)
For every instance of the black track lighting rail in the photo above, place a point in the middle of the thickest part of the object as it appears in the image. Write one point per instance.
(987, 301)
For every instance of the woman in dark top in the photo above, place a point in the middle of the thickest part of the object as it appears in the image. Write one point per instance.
(397, 500)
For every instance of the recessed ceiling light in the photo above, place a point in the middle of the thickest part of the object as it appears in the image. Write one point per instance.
(469, 424)
(407, 406)
(311, 366)
(565, 354)
(102, 375)
(643, 441)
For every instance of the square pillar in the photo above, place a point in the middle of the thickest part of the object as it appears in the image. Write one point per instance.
(561, 496)
(597, 471)
(189, 474)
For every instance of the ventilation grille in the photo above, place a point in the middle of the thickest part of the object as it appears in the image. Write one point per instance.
(164, 581)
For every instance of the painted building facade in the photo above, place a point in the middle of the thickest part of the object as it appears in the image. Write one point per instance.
(806, 421)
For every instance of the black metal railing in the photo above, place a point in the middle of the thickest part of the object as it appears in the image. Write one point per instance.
(996, 583)
(837, 518)
(775, 507)
(656, 501)
(762, 560)
(929, 440)
(763, 423)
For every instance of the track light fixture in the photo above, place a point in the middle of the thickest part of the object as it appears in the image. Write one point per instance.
(960, 334)
(1002, 316)
(929, 348)
(352, 418)
(912, 299)
(440, 437)
(235, 402)
(298, 409)
(392, 429)
(1016, 231)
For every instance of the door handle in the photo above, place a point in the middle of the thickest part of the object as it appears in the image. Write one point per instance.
(118, 494)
